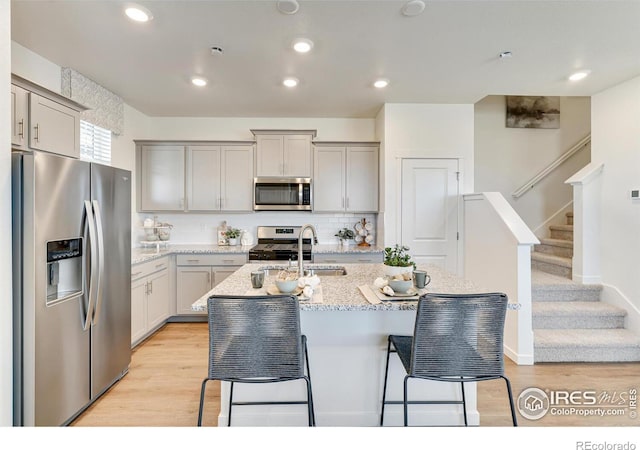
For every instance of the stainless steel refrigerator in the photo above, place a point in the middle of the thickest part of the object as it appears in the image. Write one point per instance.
(72, 284)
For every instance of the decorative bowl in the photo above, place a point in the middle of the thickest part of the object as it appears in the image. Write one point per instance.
(287, 286)
(400, 286)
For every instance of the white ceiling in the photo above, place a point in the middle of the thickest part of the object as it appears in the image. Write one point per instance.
(448, 54)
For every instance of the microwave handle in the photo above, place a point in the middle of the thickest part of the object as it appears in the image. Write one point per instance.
(300, 194)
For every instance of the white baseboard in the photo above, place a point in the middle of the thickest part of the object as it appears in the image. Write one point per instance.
(521, 360)
(586, 279)
(613, 296)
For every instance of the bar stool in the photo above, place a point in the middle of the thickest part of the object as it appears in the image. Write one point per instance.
(457, 338)
(256, 339)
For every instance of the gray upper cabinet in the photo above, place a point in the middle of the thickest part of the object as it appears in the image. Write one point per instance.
(198, 177)
(345, 178)
(44, 120)
(161, 178)
(220, 178)
(283, 153)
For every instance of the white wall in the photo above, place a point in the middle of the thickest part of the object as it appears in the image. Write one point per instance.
(422, 131)
(34, 67)
(615, 130)
(506, 158)
(6, 310)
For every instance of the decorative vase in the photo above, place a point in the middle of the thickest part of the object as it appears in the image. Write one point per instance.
(391, 271)
(346, 242)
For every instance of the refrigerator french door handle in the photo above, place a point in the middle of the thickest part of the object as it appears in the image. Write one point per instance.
(100, 234)
(93, 285)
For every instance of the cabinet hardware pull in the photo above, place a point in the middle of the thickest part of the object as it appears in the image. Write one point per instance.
(209, 279)
(347, 202)
(21, 132)
(227, 261)
(150, 287)
(37, 136)
(135, 274)
(159, 265)
(193, 260)
(146, 288)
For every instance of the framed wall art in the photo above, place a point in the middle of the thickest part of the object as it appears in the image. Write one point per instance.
(533, 112)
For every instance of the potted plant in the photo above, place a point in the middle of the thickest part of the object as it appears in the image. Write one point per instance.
(232, 234)
(346, 236)
(397, 260)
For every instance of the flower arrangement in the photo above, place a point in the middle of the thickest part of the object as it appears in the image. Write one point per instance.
(346, 233)
(232, 233)
(398, 256)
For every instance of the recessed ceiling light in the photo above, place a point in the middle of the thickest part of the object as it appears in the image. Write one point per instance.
(138, 13)
(381, 83)
(199, 81)
(290, 82)
(302, 45)
(413, 8)
(579, 75)
(288, 6)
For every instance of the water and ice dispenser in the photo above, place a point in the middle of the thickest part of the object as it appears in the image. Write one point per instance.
(64, 270)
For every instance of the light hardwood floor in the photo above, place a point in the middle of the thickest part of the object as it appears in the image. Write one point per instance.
(162, 388)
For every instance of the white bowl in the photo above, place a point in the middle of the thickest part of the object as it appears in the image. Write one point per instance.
(287, 286)
(400, 286)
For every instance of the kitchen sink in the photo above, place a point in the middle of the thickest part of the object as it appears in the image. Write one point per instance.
(320, 270)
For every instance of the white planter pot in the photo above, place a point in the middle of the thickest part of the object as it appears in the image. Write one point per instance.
(346, 242)
(391, 271)
(233, 241)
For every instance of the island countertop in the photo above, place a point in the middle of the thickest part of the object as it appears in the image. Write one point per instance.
(340, 292)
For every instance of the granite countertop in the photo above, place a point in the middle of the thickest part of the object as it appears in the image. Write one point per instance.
(341, 293)
(140, 255)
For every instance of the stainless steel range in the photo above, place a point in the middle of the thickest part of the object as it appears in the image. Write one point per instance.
(279, 244)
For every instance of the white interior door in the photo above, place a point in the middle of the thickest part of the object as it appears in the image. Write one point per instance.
(429, 211)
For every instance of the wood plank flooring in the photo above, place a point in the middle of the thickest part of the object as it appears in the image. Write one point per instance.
(162, 388)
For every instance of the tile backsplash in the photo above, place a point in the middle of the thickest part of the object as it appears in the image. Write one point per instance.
(202, 228)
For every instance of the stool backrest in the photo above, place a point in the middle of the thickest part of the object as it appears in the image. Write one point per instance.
(254, 337)
(459, 335)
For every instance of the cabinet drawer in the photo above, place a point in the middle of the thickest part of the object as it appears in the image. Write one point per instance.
(348, 258)
(226, 259)
(149, 267)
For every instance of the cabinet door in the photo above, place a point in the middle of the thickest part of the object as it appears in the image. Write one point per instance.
(269, 155)
(157, 299)
(297, 155)
(203, 178)
(19, 107)
(362, 179)
(329, 179)
(192, 283)
(162, 178)
(221, 273)
(138, 310)
(53, 127)
(237, 178)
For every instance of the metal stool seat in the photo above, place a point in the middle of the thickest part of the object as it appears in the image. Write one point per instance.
(457, 338)
(256, 339)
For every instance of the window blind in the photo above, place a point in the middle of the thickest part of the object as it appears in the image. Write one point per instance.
(95, 143)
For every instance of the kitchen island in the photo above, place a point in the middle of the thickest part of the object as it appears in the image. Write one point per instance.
(347, 340)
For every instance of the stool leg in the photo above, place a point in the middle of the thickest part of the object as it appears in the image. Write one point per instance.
(309, 403)
(202, 389)
(306, 357)
(513, 410)
(384, 388)
(406, 412)
(464, 404)
(230, 404)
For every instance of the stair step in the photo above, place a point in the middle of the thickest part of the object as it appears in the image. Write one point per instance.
(576, 314)
(547, 287)
(615, 345)
(561, 232)
(569, 217)
(558, 247)
(550, 263)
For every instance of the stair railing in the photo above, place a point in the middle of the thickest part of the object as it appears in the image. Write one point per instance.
(551, 167)
(497, 257)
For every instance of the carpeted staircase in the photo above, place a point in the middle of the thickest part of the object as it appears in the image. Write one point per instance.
(570, 323)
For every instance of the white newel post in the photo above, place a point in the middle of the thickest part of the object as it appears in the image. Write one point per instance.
(587, 188)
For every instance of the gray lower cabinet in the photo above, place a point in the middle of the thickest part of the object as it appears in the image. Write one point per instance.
(198, 274)
(150, 298)
(348, 258)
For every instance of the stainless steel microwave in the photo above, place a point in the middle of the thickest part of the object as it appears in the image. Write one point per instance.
(282, 194)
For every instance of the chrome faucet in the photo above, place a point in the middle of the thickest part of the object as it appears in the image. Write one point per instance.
(313, 241)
